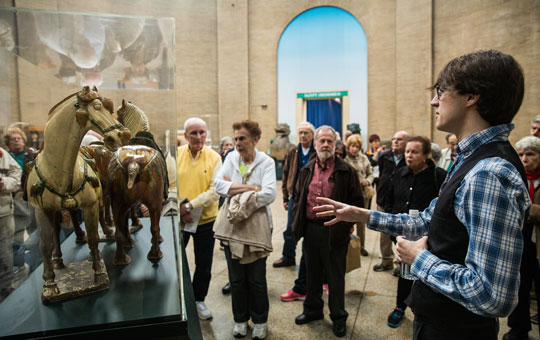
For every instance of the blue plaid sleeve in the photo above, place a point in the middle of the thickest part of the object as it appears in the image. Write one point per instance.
(393, 223)
(491, 202)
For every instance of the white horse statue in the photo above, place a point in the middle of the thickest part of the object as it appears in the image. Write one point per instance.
(61, 179)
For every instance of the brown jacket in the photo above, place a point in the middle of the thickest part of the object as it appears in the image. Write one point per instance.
(289, 171)
(346, 189)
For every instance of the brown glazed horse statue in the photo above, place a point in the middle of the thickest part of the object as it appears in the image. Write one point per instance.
(138, 174)
(61, 179)
(99, 157)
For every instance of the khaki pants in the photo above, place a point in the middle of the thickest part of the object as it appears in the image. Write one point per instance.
(386, 246)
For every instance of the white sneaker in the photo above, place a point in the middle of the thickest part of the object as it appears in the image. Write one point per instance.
(259, 331)
(240, 329)
(203, 311)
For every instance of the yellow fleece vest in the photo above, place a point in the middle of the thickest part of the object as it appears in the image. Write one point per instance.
(194, 176)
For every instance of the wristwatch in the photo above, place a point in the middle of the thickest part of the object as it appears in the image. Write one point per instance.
(188, 209)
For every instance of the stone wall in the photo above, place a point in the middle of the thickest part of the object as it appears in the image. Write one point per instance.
(226, 67)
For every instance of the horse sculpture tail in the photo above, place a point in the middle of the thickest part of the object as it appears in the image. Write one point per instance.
(132, 170)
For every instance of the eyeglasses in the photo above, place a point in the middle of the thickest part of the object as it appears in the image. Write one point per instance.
(439, 90)
(397, 139)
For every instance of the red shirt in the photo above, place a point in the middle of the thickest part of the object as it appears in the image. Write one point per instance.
(321, 185)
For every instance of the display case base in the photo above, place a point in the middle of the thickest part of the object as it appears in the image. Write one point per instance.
(74, 280)
(144, 300)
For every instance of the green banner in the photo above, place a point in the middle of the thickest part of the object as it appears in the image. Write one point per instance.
(314, 95)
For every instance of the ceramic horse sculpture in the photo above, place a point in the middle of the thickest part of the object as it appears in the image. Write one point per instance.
(138, 174)
(98, 155)
(60, 179)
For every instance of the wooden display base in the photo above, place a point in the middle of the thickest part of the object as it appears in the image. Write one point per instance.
(76, 279)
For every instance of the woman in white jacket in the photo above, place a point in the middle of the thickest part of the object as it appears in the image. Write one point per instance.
(247, 169)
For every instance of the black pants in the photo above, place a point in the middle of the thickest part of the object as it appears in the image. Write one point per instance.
(520, 319)
(203, 247)
(300, 285)
(403, 290)
(249, 292)
(320, 260)
(447, 330)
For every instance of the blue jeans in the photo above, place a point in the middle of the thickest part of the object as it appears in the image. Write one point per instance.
(289, 247)
(204, 252)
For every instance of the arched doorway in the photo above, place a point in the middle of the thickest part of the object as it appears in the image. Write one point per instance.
(323, 51)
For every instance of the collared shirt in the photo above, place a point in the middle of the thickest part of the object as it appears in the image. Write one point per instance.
(397, 158)
(321, 185)
(491, 202)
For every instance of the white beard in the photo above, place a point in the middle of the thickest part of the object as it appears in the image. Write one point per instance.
(324, 155)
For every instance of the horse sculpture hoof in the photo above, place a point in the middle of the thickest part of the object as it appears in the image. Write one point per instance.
(81, 240)
(122, 261)
(100, 279)
(160, 240)
(154, 257)
(50, 290)
(58, 263)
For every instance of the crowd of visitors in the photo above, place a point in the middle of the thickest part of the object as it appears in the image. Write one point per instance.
(479, 203)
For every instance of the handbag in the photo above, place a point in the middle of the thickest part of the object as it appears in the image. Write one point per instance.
(369, 192)
(353, 254)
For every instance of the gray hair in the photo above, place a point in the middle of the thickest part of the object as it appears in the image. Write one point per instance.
(529, 143)
(225, 139)
(308, 125)
(192, 121)
(436, 152)
(536, 119)
(407, 136)
(325, 127)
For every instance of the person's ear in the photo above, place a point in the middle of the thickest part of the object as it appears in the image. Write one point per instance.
(472, 99)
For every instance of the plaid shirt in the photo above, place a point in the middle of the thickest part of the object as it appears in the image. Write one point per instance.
(491, 202)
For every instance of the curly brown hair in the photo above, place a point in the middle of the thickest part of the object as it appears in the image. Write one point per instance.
(252, 127)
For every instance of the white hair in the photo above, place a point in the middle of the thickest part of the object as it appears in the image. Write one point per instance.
(307, 125)
(325, 127)
(529, 143)
(193, 121)
(536, 119)
(436, 151)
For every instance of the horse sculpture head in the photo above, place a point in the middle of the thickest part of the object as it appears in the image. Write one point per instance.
(132, 117)
(95, 113)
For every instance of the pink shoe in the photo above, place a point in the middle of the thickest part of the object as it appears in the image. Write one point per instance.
(291, 295)
(325, 288)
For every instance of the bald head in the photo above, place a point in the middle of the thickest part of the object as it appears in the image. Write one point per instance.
(399, 141)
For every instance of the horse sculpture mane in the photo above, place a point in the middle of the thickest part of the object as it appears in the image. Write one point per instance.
(133, 118)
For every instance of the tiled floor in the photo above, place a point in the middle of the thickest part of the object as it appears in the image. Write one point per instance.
(369, 297)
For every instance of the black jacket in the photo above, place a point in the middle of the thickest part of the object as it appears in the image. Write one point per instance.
(410, 191)
(387, 168)
(346, 189)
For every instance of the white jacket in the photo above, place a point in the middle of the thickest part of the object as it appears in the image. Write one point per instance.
(263, 174)
(11, 173)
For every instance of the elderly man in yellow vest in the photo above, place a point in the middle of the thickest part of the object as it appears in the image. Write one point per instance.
(196, 167)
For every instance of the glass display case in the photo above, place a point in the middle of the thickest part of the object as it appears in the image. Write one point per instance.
(47, 58)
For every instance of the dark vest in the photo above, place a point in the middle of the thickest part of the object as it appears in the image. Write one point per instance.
(449, 240)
